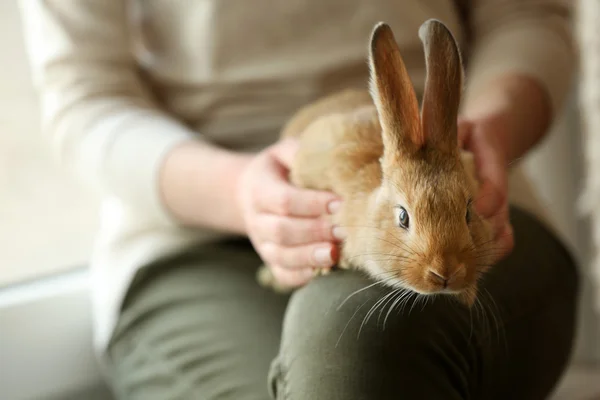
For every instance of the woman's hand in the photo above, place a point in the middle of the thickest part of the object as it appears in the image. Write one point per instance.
(483, 138)
(286, 224)
(500, 122)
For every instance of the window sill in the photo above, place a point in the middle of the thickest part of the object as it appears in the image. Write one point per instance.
(46, 344)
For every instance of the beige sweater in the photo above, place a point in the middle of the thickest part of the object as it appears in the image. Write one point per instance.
(122, 82)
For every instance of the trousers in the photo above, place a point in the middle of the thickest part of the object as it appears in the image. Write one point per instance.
(198, 326)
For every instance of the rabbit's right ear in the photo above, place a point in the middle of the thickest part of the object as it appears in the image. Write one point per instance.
(443, 85)
(394, 96)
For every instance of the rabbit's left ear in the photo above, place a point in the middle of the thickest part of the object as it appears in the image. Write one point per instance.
(394, 96)
(443, 86)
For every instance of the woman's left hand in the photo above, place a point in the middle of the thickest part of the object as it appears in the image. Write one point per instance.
(500, 122)
(484, 138)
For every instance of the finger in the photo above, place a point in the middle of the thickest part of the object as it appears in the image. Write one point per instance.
(292, 200)
(292, 277)
(489, 199)
(504, 242)
(276, 195)
(499, 220)
(492, 175)
(285, 151)
(502, 234)
(321, 255)
(464, 128)
(289, 231)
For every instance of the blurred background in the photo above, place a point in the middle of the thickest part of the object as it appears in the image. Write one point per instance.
(47, 226)
(41, 207)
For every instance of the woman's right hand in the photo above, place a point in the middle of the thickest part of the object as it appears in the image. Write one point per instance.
(286, 224)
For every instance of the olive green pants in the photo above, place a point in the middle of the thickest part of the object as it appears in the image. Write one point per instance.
(197, 326)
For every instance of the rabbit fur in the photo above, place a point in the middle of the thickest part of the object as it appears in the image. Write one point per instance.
(384, 157)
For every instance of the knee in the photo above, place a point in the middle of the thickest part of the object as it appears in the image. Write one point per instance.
(549, 261)
(340, 335)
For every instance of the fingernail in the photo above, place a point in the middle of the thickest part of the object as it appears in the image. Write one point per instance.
(334, 206)
(482, 207)
(323, 256)
(339, 233)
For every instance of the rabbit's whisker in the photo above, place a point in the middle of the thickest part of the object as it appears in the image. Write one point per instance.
(358, 291)
(350, 320)
(394, 256)
(399, 241)
(396, 292)
(372, 310)
(489, 315)
(403, 294)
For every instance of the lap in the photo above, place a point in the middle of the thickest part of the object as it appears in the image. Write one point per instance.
(197, 326)
(345, 339)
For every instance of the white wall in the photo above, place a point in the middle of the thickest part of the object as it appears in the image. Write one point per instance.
(41, 207)
(47, 224)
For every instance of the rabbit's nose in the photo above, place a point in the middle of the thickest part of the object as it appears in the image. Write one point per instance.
(444, 276)
(439, 277)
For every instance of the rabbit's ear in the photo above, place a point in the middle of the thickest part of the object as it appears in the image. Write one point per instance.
(393, 94)
(443, 86)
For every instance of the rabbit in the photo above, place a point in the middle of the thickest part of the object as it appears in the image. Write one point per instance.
(408, 188)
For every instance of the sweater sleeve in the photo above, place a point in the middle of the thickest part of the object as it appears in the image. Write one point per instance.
(529, 37)
(101, 121)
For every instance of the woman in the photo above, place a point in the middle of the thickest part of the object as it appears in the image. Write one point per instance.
(172, 109)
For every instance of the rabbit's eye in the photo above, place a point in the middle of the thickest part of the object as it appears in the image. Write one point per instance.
(403, 219)
(468, 215)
